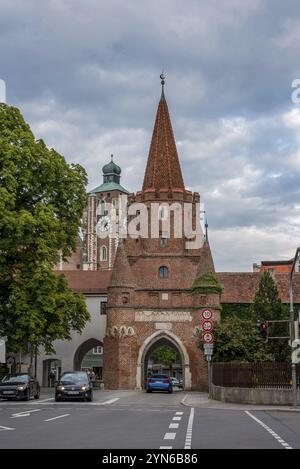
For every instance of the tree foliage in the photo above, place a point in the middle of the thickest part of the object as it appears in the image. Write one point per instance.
(165, 355)
(237, 338)
(41, 204)
(267, 306)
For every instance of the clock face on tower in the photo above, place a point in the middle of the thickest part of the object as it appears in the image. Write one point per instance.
(103, 226)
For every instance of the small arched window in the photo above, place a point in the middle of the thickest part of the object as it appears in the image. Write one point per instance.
(103, 253)
(163, 272)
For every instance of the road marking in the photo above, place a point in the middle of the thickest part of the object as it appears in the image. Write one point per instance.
(169, 436)
(174, 425)
(6, 428)
(269, 430)
(189, 432)
(111, 401)
(177, 418)
(42, 400)
(58, 417)
(165, 447)
(179, 413)
(24, 414)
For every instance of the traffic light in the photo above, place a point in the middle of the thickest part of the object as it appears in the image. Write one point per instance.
(262, 329)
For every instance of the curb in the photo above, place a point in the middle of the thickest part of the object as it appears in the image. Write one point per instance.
(254, 409)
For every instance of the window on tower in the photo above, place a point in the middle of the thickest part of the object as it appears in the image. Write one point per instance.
(163, 272)
(103, 253)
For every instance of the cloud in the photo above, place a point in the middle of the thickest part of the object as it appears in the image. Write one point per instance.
(85, 75)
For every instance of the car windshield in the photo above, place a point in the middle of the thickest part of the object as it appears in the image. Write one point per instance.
(11, 379)
(74, 378)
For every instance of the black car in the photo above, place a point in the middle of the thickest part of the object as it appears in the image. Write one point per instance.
(19, 386)
(74, 385)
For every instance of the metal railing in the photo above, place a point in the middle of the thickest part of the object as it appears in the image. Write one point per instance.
(254, 375)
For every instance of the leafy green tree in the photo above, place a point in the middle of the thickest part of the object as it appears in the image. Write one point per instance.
(165, 355)
(267, 306)
(42, 199)
(237, 340)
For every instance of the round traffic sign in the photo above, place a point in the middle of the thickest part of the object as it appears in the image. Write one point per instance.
(206, 314)
(207, 337)
(207, 326)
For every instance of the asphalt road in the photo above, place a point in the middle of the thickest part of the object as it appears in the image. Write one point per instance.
(132, 420)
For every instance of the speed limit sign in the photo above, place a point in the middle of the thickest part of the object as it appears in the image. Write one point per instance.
(206, 314)
(208, 337)
(207, 326)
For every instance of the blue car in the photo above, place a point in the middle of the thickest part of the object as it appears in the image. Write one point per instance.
(159, 383)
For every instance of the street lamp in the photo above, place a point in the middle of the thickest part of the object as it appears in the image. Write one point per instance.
(293, 329)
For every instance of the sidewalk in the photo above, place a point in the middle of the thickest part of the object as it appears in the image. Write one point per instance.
(201, 400)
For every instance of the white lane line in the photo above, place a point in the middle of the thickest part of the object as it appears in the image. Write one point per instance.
(58, 417)
(42, 400)
(6, 428)
(165, 447)
(269, 430)
(179, 413)
(169, 436)
(177, 419)
(111, 401)
(24, 414)
(189, 432)
(174, 425)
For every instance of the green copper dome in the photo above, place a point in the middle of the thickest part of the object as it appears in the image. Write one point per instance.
(111, 168)
(111, 179)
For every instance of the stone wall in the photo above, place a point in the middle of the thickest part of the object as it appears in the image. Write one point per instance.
(254, 396)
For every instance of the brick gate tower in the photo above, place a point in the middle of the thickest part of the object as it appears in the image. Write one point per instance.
(158, 283)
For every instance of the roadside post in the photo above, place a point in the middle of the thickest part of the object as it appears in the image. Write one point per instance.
(207, 338)
(293, 333)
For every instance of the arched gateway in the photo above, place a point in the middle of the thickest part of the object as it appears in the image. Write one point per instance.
(159, 283)
(157, 339)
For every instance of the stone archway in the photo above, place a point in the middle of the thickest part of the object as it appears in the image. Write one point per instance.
(82, 350)
(173, 340)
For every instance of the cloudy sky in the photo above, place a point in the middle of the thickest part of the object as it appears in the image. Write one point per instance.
(85, 74)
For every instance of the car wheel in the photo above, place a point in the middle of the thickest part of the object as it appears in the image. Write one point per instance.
(57, 399)
(27, 397)
(170, 391)
(149, 390)
(90, 398)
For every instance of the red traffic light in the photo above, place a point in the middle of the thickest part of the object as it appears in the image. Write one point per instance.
(263, 326)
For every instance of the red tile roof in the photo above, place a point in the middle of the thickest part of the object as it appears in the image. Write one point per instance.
(87, 281)
(163, 168)
(240, 287)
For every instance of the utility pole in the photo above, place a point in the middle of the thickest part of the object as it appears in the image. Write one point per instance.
(293, 330)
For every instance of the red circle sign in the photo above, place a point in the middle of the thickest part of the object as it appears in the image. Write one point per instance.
(207, 326)
(207, 337)
(206, 314)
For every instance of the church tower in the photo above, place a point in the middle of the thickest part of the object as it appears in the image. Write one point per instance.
(103, 201)
(160, 283)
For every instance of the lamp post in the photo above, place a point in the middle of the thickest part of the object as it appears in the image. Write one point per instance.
(293, 330)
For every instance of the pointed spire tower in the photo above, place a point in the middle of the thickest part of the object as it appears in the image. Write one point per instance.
(163, 170)
(122, 275)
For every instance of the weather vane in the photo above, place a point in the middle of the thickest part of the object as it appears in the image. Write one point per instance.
(162, 78)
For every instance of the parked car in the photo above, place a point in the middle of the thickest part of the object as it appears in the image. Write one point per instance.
(159, 383)
(19, 386)
(74, 385)
(175, 382)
